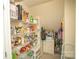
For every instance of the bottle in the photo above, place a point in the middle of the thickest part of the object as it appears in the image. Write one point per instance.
(19, 12)
(31, 19)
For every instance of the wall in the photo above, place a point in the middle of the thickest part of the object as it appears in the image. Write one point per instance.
(50, 13)
(69, 50)
(24, 6)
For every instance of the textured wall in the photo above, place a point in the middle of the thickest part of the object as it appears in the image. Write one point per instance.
(50, 13)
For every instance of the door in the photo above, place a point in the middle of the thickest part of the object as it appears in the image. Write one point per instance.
(7, 40)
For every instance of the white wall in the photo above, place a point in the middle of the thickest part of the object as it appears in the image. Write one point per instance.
(49, 12)
(69, 28)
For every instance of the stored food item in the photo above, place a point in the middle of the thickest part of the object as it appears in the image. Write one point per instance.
(18, 41)
(33, 27)
(14, 55)
(19, 12)
(31, 19)
(30, 53)
(23, 49)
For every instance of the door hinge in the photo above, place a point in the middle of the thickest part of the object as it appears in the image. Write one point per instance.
(5, 54)
(3, 7)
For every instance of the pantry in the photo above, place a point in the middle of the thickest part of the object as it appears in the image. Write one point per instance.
(36, 29)
(25, 34)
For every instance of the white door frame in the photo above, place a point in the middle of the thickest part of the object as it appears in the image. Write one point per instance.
(7, 37)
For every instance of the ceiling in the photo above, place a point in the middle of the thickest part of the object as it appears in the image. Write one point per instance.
(34, 2)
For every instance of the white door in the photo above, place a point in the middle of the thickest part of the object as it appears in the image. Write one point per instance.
(7, 39)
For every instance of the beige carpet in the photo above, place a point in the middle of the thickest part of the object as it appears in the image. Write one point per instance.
(49, 56)
(69, 58)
